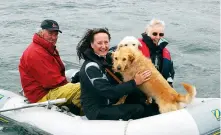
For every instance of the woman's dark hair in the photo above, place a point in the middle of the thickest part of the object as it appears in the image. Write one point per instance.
(87, 39)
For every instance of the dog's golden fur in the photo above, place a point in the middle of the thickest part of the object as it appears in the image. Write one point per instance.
(129, 61)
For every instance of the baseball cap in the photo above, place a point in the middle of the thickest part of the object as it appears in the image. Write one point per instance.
(50, 25)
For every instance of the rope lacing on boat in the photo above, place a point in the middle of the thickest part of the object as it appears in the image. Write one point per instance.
(125, 128)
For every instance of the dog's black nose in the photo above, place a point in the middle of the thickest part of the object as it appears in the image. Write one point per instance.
(118, 67)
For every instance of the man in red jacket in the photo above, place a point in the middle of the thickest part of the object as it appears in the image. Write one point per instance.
(42, 72)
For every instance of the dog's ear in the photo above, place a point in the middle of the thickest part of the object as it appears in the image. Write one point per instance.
(112, 55)
(118, 47)
(121, 45)
(131, 57)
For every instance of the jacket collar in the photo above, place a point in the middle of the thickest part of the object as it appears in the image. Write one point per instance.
(151, 45)
(149, 42)
(45, 44)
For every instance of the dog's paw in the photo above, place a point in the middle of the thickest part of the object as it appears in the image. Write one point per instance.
(149, 100)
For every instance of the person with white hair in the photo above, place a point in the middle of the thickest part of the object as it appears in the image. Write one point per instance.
(154, 47)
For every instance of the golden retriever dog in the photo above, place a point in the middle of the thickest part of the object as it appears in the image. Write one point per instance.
(129, 61)
(129, 41)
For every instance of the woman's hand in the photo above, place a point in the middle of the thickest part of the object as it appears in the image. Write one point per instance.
(142, 77)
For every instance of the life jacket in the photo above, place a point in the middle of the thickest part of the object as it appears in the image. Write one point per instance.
(146, 52)
(166, 70)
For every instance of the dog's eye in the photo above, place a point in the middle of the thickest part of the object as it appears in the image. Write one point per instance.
(134, 44)
(125, 44)
(124, 59)
(115, 58)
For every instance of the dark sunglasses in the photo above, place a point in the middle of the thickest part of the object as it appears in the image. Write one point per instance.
(160, 34)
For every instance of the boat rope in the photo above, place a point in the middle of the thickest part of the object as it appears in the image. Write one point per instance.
(125, 129)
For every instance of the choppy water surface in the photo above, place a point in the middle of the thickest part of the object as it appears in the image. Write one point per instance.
(192, 27)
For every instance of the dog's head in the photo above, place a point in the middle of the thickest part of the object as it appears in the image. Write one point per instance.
(129, 41)
(123, 58)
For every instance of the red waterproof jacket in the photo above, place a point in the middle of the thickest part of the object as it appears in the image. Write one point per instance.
(146, 52)
(41, 69)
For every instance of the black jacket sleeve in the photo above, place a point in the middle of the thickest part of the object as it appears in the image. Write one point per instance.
(172, 71)
(105, 89)
(75, 78)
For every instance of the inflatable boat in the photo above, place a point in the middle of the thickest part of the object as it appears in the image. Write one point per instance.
(201, 117)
